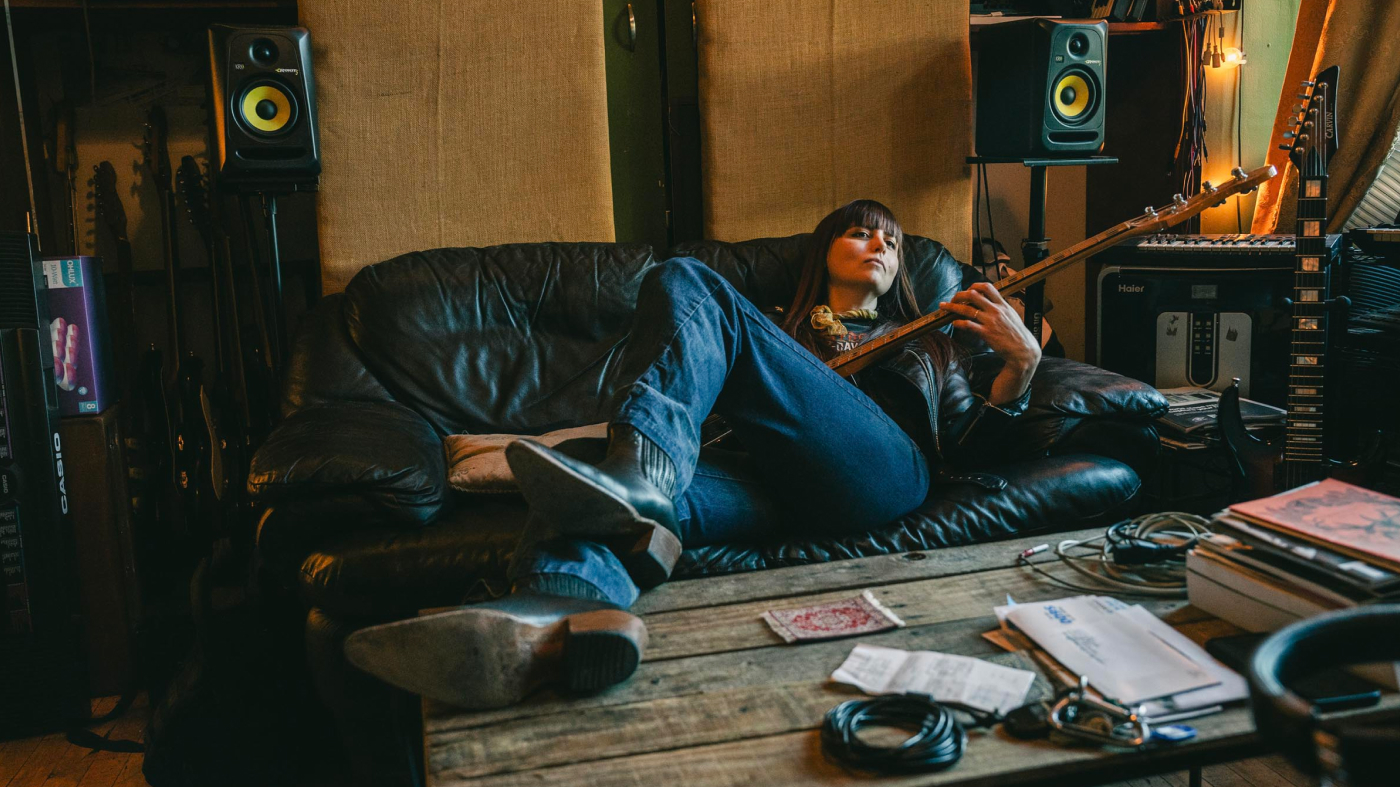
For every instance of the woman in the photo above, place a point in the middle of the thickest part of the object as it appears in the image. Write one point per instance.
(823, 454)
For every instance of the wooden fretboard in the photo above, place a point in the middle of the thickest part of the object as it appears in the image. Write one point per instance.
(1302, 451)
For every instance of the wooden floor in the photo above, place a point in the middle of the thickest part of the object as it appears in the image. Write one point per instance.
(50, 761)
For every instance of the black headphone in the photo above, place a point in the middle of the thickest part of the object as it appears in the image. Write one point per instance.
(1363, 752)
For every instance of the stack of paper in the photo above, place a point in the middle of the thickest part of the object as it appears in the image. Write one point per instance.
(1128, 654)
(1320, 547)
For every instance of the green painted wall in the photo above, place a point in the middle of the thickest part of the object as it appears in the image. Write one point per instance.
(1268, 37)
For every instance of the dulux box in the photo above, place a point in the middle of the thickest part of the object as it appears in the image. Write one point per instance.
(82, 347)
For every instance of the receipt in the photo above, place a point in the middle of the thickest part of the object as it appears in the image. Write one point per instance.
(1117, 652)
(945, 677)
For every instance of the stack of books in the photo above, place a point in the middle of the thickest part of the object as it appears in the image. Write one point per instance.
(1190, 419)
(1323, 546)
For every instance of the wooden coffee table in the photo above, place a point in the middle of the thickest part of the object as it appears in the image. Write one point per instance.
(721, 700)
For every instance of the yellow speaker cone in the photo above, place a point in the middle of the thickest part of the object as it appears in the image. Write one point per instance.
(1072, 96)
(266, 108)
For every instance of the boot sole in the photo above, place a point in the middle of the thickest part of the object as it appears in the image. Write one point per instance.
(578, 507)
(481, 658)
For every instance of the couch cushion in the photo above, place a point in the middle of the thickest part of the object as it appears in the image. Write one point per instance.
(515, 338)
(766, 270)
(1054, 494)
(381, 574)
(476, 463)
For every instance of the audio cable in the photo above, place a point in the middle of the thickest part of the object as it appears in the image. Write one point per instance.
(937, 743)
(1143, 556)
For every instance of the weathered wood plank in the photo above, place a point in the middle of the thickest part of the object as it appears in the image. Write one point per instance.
(1260, 773)
(700, 676)
(840, 574)
(1286, 770)
(13, 756)
(40, 762)
(107, 766)
(720, 702)
(75, 761)
(796, 759)
(740, 626)
(657, 725)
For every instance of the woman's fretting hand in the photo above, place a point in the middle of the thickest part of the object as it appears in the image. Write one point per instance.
(987, 315)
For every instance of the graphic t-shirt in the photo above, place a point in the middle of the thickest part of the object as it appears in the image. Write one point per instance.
(857, 331)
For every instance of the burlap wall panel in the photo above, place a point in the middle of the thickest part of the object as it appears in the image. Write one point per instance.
(458, 123)
(807, 105)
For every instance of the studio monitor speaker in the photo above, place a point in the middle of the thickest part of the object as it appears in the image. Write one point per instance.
(263, 102)
(1040, 88)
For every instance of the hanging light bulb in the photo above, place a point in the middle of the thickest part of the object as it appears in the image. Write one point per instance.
(1231, 57)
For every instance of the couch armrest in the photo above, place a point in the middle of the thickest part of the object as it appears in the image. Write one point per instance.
(1079, 408)
(1079, 389)
(380, 460)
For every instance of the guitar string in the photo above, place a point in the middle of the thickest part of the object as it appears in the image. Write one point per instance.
(23, 135)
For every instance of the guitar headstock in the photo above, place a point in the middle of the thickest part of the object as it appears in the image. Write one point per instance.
(1316, 134)
(190, 182)
(1181, 209)
(109, 205)
(155, 148)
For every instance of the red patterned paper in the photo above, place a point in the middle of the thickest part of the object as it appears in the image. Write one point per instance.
(1357, 521)
(849, 617)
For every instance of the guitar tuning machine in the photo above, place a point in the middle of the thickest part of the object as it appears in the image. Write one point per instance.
(1150, 211)
(1238, 172)
(1178, 200)
(1208, 188)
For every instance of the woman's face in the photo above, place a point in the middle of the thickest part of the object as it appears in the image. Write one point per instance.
(862, 258)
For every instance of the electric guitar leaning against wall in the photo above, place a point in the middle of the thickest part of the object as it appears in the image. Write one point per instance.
(1268, 468)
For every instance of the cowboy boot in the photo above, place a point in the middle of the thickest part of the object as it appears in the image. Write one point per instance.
(624, 501)
(493, 654)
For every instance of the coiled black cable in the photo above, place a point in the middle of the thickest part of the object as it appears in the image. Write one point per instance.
(937, 743)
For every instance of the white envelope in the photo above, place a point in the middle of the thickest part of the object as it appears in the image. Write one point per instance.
(1119, 653)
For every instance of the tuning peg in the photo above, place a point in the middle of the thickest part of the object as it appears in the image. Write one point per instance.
(1307, 83)
(1149, 211)
(1178, 200)
(1303, 96)
(1238, 172)
(1285, 147)
(1302, 137)
(1297, 108)
(1288, 135)
(1207, 187)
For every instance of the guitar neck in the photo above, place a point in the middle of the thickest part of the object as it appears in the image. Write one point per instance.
(171, 251)
(128, 350)
(1307, 361)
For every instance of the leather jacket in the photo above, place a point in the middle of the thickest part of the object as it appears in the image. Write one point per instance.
(937, 406)
(935, 402)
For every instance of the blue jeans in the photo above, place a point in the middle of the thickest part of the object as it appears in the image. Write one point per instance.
(823, 458)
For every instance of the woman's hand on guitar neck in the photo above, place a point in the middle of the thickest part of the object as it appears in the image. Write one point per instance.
(984, 313)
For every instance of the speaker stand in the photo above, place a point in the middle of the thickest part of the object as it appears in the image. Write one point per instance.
(279, 312)
(1035, 246)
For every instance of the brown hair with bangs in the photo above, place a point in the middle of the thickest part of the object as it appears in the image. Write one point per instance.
(897, 304)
